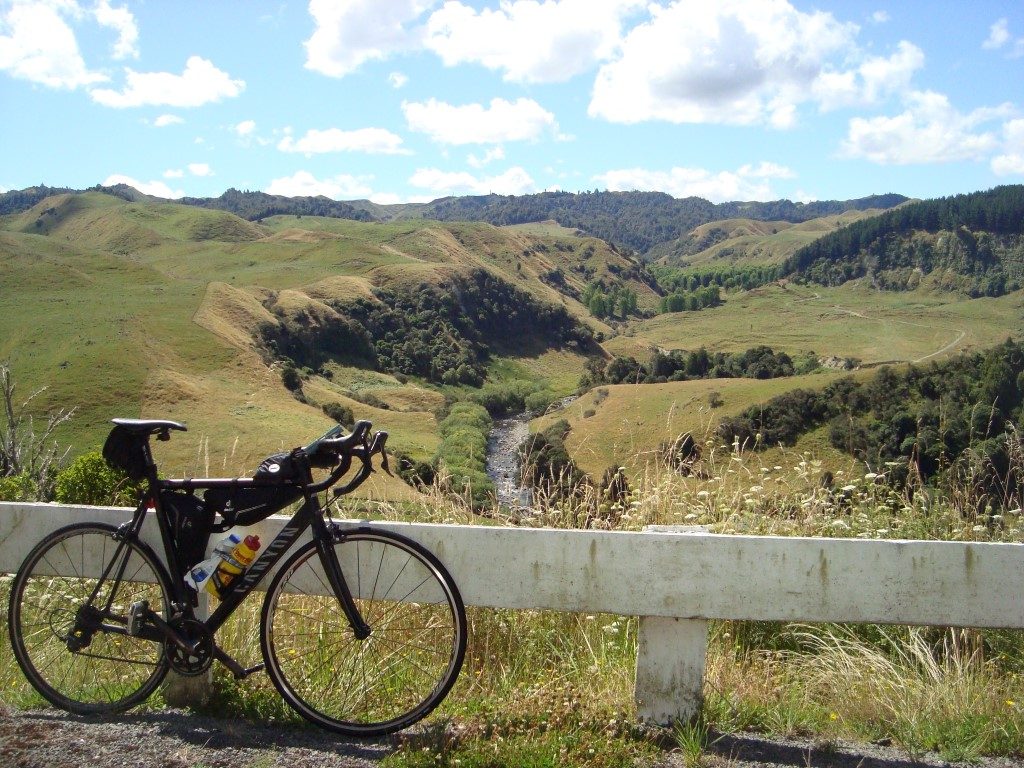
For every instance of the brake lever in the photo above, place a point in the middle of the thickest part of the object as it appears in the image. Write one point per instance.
(377, 446)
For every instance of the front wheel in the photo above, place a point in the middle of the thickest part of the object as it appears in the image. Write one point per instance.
(387, 681)
(68, 619)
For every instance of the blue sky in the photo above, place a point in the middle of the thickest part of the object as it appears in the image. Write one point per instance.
(410, 100)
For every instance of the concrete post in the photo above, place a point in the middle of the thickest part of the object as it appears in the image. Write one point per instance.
(670, 661)
(182, 691)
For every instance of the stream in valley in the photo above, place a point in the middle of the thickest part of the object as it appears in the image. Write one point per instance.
(503, 458)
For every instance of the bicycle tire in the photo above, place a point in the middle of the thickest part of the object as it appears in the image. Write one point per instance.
(397, 675)
(114, 672)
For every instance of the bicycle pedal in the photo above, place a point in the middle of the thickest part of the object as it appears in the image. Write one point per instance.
(136, 614)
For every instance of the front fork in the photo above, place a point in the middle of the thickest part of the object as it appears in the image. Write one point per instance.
(329, 560)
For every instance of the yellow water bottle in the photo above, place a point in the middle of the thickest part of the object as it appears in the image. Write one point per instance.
(238, 560)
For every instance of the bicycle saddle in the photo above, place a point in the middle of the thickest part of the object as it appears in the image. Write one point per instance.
(148, 426)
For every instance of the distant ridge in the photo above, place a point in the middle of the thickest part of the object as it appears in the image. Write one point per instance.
(638, 221)
(259, 205)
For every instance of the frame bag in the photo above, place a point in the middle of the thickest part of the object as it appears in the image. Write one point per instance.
(191, 523)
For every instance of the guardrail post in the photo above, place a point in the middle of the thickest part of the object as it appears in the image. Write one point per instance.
(192, 691)
(670, 661)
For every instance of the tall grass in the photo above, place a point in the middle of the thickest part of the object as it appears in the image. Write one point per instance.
(958, 692)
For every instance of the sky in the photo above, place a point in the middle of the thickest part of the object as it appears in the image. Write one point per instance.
(410, 100)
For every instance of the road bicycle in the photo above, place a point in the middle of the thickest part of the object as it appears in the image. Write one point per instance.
(362, 631)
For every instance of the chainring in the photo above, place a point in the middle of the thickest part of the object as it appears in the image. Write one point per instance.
(197, 662)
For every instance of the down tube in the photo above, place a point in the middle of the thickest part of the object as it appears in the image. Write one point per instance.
(294, 528)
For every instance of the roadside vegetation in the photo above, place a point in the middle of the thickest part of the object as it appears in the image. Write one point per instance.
(545, 689)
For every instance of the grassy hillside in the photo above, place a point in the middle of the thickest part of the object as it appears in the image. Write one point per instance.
(854, 320)
(134, 307)
(739, 242)
(137, 308)
(624, 424)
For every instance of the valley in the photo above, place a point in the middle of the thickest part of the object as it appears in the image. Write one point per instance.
(144, 308)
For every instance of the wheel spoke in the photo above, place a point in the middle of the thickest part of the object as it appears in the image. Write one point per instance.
(396, 675)
(112, 671)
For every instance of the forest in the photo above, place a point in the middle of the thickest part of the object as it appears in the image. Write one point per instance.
(977, 243)
(443, 333)
(637, 220)
(955, 417)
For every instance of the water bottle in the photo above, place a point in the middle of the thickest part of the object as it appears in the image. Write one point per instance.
(201, 573)
(240, 558)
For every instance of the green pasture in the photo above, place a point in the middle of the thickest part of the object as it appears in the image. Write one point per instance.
(757, 242)
(853, 320)
(625, 424)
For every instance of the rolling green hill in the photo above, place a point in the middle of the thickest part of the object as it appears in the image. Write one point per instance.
(639, 221)
(972, 243)
(741, 242)
(124, 305)
(134, 307)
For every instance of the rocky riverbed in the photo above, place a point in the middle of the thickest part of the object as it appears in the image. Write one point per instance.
(503, 460)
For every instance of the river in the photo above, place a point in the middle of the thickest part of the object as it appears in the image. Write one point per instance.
(503, 459)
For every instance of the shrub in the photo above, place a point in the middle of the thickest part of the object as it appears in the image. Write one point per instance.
(538, 402)
(291, 378)
(89, 479)
(340, 413)
(548, 467)
(462, 453)
(17, 488)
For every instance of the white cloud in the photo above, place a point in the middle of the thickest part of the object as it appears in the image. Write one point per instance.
(748, 182)
(875, 78)
(373, 141)
(199, 169)
(305, 184)
(245, 128)
(174, 173)
(998, 35)
(880, 17)
(164, 120)
(528, 40)
(521, 120)
(397, 79)
(495, 153)
(930, 130)
(514, 181)
(738, 62)
(351, 32)
(998, 38)
(121, 21)
(1011, 161)
(154, 188)
(36, 44)
(200, 83)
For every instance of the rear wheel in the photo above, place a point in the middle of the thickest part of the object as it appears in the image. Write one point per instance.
(392, 678)
(68, 627)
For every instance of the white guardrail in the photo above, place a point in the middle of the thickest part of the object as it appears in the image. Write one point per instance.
(674, 581)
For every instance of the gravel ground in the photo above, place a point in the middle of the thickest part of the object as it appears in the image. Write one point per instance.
(172, 739)
(178, 739)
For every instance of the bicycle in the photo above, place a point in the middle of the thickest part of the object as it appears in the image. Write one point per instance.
(362, 631)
